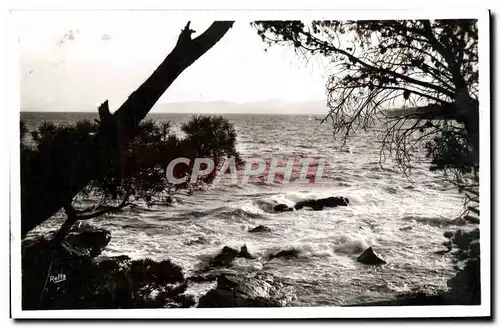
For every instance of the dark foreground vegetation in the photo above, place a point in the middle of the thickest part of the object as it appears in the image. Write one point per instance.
(67, 276)
(138, 172)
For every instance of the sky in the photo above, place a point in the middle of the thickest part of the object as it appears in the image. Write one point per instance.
(73, 61)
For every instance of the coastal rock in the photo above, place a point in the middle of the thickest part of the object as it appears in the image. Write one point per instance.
(242, 291)
(88, 239)
(244, 253)
(370, 257)
(68, 276)
(298, 206)
(282, 208)
(447, 243)
(82, 243)
(317, 207)
(333, 201)
(202, 278)
(266, 205)
(448, 234)
(107, 284)
(463, 289)
(228, 254)
(225, 257)
(260, 228)
(463, 239)
(305, 203)
(287, 253)
(471, 219)
(319, 204)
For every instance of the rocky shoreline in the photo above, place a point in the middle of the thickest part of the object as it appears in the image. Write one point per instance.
(74, 275)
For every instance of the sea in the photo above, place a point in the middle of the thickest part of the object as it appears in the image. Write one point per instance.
(403, 220)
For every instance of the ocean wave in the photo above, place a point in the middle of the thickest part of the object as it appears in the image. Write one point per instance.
(310, 249)
(219, 212)
(352, 246)
(434, 221)
(265, 205)
(344, 245)
(298, 251)
(239, 213)
(325, 243)
(196, 214)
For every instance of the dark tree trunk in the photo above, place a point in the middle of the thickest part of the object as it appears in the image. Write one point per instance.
(53, 180)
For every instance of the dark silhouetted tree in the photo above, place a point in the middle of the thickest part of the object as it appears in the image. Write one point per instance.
(429, 67)
(54, 178)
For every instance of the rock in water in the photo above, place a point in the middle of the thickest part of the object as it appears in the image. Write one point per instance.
(317, 207)
(83, 242)
(448, 234)
(319, 204)
(225, 257)
(298, 206)
(88, 239)
(287, 253)
(163, 272)
(242, 291)
(244, 253)
(202, 278)
(260, 228)
(371, 258)
(305, 203)
(463, 239)
(282, 208)
(333, 201)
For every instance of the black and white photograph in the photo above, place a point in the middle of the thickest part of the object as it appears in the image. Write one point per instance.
(262, 164)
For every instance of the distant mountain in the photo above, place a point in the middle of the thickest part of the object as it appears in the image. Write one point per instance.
(432, 111)
(225, 107)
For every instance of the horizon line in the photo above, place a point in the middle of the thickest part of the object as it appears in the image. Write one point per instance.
(186, 112)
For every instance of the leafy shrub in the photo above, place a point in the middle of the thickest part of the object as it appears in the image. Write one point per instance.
(139, 171)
